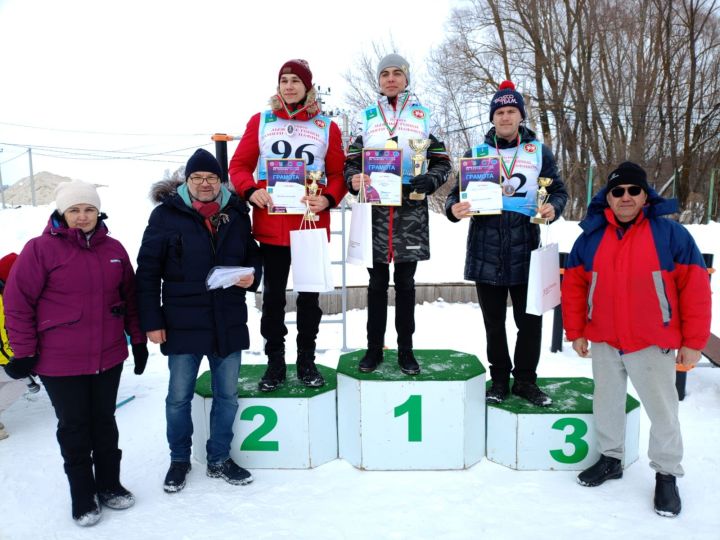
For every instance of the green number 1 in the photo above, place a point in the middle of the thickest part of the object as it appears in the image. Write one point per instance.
(575, 437)
(254, 442)
(413, 408)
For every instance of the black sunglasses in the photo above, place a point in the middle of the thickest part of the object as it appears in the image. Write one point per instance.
(618, 192)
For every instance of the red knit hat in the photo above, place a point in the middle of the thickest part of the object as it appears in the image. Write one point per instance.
(300, 68)
(6, 264)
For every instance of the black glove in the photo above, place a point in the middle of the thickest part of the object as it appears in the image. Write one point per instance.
(140, 355)
(20, 368)
(422, 183)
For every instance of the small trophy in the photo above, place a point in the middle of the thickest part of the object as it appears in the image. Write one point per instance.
(542, 197)
(419, 146)
(313, 189)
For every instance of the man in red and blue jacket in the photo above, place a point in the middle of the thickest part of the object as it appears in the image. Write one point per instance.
(636, 287)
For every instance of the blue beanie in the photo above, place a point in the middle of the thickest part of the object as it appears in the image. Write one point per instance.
(202, 161)
(507, 96)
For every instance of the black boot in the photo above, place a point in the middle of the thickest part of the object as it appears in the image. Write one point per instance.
(372, 359)
(407, 362)
(176, 476)
(307, 371)
(606, 468)
(107, 478)
(85, 505)
(498, 392)
(667, 496)
(531, 392)
(274, 374)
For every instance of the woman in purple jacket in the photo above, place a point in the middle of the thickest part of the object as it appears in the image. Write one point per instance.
(69, 300)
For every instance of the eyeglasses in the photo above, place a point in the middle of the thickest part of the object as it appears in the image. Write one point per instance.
(619, 192)
(197, 180)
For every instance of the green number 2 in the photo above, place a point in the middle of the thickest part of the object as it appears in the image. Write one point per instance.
(254, 442)
(575, 437)
(413, 408)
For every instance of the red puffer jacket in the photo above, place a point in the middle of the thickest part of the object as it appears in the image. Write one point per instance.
(275, 229)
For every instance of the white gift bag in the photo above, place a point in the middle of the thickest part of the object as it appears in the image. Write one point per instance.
(544, 280)
(360, 248)
(310, 261)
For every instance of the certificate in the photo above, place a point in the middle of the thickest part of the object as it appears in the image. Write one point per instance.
(480, 185)
(384, 167)
(286, 185)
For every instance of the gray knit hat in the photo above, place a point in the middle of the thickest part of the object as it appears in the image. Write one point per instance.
(68, 194)
(394, 60)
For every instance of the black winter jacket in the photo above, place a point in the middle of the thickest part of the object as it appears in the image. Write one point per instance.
(176, 254)
(402, 233)
(499, 246)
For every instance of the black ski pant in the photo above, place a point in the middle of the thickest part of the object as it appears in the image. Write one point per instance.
(87, 431)
(276, 269)
(404, 279)
(493, 303)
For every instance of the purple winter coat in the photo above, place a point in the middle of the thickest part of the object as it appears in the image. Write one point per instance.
(69, 300)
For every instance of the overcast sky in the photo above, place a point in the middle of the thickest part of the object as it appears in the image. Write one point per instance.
(160, 75)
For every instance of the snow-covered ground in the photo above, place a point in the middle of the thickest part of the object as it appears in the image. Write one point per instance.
(336, 500)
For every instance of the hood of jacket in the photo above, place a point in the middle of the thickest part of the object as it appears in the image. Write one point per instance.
(655, 206)
(310, 109)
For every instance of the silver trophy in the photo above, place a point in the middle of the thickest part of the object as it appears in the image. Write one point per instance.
(419, 146)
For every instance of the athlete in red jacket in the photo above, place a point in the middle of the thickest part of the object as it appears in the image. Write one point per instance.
(292, 128)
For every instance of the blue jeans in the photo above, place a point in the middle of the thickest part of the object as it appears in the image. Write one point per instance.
(183, 374)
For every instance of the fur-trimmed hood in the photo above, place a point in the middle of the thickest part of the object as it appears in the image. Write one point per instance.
(164, 189)
(309, 110)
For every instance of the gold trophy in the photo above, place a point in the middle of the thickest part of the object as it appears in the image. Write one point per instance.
(313, 189)
(419, 146)
(542, 198)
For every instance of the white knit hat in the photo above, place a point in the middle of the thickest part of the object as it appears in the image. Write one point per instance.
(68, 194)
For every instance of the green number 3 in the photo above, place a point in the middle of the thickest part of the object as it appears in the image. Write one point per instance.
(254, 442)
(413, 408)
(575, 437)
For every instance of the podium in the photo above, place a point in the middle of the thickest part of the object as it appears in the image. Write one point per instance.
(559, 437)
(293, 427)
(391, 421)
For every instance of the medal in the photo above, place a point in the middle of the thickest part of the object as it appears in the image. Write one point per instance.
(508, 190)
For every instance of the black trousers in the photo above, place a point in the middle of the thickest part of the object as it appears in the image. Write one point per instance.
(493, 303)
(404, 278)
(276, 269)
(86, 430)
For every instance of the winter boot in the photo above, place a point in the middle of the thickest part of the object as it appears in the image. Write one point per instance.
(3, 434)
(407, 362)
(229, 471)
(498, 392)
(274, 374)
(606, 468)
(667, 496)
(85, 504)
(531, 392)
(371, 360)
(176, 475)
(107, 478)
(307, 371)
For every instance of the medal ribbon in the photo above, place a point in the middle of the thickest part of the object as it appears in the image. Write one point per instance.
(392, 129)
(508, 172)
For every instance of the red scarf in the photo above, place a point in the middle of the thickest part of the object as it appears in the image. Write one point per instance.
(208, 210)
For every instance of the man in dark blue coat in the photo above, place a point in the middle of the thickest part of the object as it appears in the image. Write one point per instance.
(197, 226)
(499, 246)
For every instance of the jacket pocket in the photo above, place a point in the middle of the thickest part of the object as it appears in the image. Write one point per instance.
(68, 317)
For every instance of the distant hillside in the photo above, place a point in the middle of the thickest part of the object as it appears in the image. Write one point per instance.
(45, 184)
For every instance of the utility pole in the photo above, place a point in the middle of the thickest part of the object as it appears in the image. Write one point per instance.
(32, 178)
